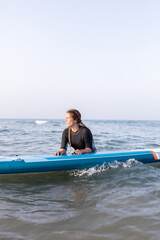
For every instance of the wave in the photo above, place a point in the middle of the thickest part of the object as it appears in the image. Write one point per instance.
(4, 130)
(97, 170)
(41, 122)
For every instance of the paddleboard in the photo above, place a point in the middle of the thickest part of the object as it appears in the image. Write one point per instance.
(44, 163)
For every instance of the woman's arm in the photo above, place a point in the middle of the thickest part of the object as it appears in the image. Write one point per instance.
(64, 141)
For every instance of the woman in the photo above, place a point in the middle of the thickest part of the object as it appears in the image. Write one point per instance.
(77, 135)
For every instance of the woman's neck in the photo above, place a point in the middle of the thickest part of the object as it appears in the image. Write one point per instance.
(75, 128)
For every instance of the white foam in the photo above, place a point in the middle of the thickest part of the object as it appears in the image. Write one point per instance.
(41, 122)
(89, 171)
(95, 170)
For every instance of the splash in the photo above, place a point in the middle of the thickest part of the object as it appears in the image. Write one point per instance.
(97, 170)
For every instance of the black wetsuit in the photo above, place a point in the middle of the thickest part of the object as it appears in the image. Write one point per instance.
(79, 140)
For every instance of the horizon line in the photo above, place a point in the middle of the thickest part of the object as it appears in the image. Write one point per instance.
(88, 119)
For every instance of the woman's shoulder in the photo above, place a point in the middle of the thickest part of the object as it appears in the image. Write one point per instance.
(85, 130)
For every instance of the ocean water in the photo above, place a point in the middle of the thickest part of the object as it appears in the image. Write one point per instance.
(116, 202)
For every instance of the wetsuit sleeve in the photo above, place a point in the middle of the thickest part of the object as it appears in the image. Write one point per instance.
(64, 139)
(88, 138)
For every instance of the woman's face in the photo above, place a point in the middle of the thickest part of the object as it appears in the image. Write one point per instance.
(70, 122)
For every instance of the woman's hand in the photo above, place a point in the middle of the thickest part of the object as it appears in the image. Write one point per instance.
(81, 151)
(78, 152)
(60, 152)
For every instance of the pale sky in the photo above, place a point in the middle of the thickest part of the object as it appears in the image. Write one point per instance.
(99, 56)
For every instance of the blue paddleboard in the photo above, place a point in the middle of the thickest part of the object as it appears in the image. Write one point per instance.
(43, 163)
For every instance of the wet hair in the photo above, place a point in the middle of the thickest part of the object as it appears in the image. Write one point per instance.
(77, 117)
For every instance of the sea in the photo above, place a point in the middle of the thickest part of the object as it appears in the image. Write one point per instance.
(119, 201)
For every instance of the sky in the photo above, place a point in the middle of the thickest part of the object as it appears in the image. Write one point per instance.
(101, 57)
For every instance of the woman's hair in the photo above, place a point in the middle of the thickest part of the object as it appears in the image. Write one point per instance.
(77, 117)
